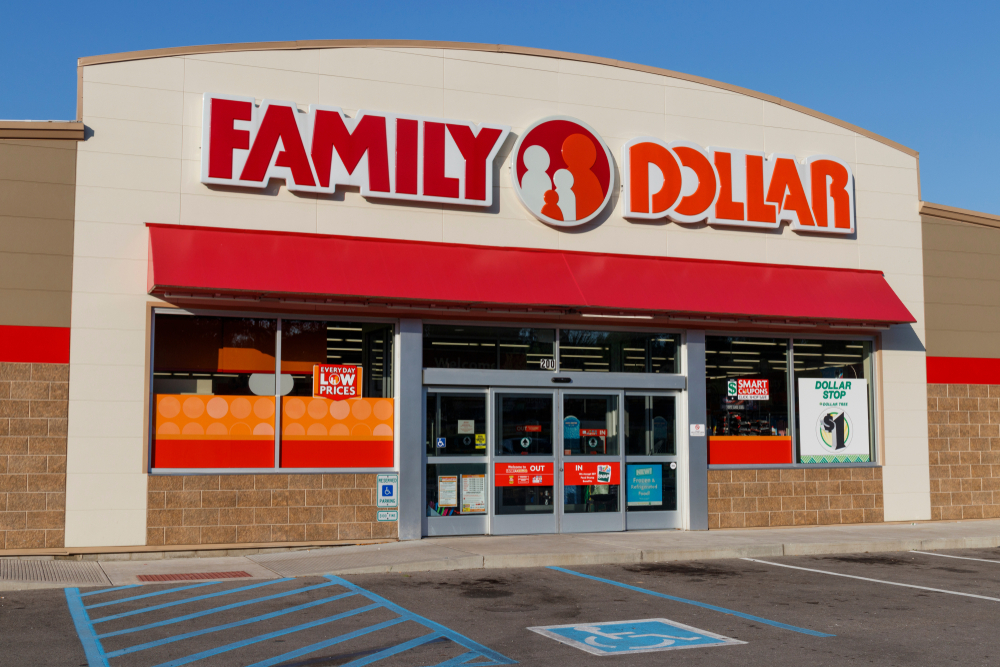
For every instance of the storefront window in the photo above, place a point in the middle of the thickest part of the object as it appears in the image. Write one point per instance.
(749, 386)
(652, 487)
(456, 424)
(617, 351)
(747, 395)
(834, 401)
(650, 426)
(489, 348)
(213, 392)
(590, 425)
(456, 489)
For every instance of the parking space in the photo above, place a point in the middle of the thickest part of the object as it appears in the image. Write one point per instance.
(902, 608)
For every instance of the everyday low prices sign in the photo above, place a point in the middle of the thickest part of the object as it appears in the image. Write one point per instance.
(748, 390)
(336, 383)
(833, 420)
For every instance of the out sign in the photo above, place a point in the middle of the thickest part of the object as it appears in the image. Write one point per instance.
(336, 383)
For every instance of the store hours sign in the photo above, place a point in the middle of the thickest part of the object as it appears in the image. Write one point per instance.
(833, 420)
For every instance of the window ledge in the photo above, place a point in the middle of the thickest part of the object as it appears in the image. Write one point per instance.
(792, 466)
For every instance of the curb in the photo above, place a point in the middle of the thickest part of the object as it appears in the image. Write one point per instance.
(777, 550)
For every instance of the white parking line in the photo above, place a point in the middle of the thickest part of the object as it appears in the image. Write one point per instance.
(930, 553)
(877, 581)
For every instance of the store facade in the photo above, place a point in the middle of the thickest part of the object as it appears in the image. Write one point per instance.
(533, 292)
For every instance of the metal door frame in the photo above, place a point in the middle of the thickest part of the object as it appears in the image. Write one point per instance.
(663, 520)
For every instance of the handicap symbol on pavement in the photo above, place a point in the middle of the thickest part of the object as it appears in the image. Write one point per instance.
(642, 636)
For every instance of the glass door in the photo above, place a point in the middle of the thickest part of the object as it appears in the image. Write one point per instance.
(652, 466)
(590, 461)
(524, 463)
(457, 497)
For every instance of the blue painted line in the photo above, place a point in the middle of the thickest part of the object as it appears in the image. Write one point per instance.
(703, 605)
(312, 648)
(458, 660)
(215, 610)
(389, 652)
(280, 633)
(227, 626)
(150, 595)
(109, 590)
(91, 644)
(104, 619)
(462, 640)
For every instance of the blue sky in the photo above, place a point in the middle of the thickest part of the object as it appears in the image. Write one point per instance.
(921, 73)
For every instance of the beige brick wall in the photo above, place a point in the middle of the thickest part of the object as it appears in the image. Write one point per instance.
(231, 509)
(794, 497)
(33, 404)
(964, 434)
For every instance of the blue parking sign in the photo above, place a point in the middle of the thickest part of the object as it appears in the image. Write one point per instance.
(387, 490)
(642, 636)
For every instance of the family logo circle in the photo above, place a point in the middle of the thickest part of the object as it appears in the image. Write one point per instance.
(562, 171)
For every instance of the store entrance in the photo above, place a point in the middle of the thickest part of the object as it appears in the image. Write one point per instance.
(560, 464)
(508, 461)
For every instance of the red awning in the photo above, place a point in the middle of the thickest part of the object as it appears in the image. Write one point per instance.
(202, 261)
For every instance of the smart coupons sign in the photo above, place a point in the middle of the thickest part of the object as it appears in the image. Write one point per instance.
(748, 390)
(833, 420)
(336, 383)
(561, 169)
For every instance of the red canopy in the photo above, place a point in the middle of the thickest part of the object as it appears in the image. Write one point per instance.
(210, 261)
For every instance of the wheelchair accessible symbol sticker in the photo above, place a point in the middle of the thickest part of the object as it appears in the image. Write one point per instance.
(643, 636)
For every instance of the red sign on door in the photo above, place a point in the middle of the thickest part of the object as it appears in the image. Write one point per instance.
(589, 473)
(336, 382)
(522, 474)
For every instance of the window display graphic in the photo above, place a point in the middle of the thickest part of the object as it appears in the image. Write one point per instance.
(645, 485)
(338, 383)
(587, 474)
(748, 390)
(473, 494)
(447, 490)
(322, 433)
(833, 418)
(523, 474)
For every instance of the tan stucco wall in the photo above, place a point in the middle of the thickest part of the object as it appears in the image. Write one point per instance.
(962, 288)
(36, 231)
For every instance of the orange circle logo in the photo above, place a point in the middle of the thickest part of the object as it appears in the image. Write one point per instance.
(562, 171)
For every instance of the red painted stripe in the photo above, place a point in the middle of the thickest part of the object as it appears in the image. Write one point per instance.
(34, 345)
(736, 450)
(962, 370)
(336, 454)
(192, 576)
(213, 453)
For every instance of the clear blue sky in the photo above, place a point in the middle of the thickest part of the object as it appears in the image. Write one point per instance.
(924, 74)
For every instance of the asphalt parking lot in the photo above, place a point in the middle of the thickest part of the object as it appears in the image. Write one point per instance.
(885, 609)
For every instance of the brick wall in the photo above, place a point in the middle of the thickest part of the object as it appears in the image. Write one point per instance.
(230, 509)
(33, 406)
(796, 497)
(964, 432)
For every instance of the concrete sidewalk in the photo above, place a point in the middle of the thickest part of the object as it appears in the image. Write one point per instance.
(457, 553)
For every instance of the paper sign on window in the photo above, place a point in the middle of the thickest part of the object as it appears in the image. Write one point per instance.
(833, 420)
(336, 383)
(748, 390)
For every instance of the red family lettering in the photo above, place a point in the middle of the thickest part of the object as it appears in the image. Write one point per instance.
(385, 155)
(686, 183)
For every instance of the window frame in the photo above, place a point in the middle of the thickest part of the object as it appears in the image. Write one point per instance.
(874, 405)
(278, 316)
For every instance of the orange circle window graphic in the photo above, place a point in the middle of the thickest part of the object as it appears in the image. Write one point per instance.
(562, 171)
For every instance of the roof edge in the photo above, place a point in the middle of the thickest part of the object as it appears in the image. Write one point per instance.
(959, 214)
(41, 129)
(471, 46)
